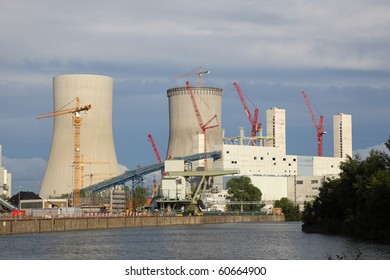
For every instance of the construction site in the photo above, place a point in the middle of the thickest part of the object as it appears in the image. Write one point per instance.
(83, 177)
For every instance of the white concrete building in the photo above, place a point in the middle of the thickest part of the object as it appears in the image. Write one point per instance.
(276, 174)
(5, 180)
(342, 133)
(276, 127)
(216, 200)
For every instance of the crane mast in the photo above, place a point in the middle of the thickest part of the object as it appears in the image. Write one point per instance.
(318, 127)
(76, 120)
(255, 125)
(82, 168)
(150, 137)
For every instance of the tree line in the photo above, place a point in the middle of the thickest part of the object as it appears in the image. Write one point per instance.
(356, 202)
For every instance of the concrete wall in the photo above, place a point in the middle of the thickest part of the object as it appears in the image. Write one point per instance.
(16, 226)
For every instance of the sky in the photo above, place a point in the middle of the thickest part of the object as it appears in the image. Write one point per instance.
(336, 51)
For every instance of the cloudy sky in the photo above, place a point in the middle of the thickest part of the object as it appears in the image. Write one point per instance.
(337, 51)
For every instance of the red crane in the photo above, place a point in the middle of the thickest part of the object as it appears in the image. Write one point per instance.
(256, 126)
(318, 127)
(150, 137)
(203, 126)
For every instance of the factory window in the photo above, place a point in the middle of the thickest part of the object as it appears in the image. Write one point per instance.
(273, 158)
(261, 158)
(331, 166)
(234, 162)
(299, 182)
(227, 152)
(289, 164)
(294, 159)
(254, 158)
(314, 181)
(274, 163)
(284, 159)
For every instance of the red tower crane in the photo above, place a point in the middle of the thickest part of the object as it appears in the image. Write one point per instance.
(203, 126)
(318, 127)
(150, 137)
(156, 187)
(256, 126)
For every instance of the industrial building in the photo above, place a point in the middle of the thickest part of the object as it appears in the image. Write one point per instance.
(342, 130)
(279, 175)
(263, 159)
(83, 146)
(82, 149)
(5, 180)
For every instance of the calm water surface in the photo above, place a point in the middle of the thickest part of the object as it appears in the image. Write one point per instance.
(266, 241)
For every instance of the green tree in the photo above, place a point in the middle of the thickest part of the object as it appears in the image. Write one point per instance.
(289, 208)
(139, 196)
(242, 189)
(356, 203)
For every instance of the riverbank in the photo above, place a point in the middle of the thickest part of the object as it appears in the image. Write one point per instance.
(37, 225)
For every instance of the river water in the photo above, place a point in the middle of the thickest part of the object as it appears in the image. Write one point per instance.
(239, 241)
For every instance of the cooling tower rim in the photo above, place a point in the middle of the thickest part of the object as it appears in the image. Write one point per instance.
(215, 90)
(81, 75)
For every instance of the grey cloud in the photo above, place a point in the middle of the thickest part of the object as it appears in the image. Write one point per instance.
(336, 51)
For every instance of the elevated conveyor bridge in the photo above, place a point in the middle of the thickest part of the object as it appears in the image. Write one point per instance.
(137, 174)
(7, 205)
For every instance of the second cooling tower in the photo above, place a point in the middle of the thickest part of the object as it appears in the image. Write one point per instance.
(96, 140)
(185, 135)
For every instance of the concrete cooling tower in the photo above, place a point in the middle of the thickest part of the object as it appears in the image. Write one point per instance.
(185, 137)
(97, 152)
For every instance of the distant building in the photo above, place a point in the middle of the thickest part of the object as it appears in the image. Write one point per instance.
(342, 133)
(5, 180)
(276, 128)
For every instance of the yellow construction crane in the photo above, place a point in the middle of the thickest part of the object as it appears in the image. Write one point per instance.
(82, 167)
(99, 176)
(197, 72)
(76, 120)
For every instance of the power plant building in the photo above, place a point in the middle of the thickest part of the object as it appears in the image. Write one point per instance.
(274, 172)
(276, 128)
(342, 133)
(96, 143)
(193, 129)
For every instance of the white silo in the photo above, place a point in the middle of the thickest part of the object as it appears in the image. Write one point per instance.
(96, 140)
(185, 135)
